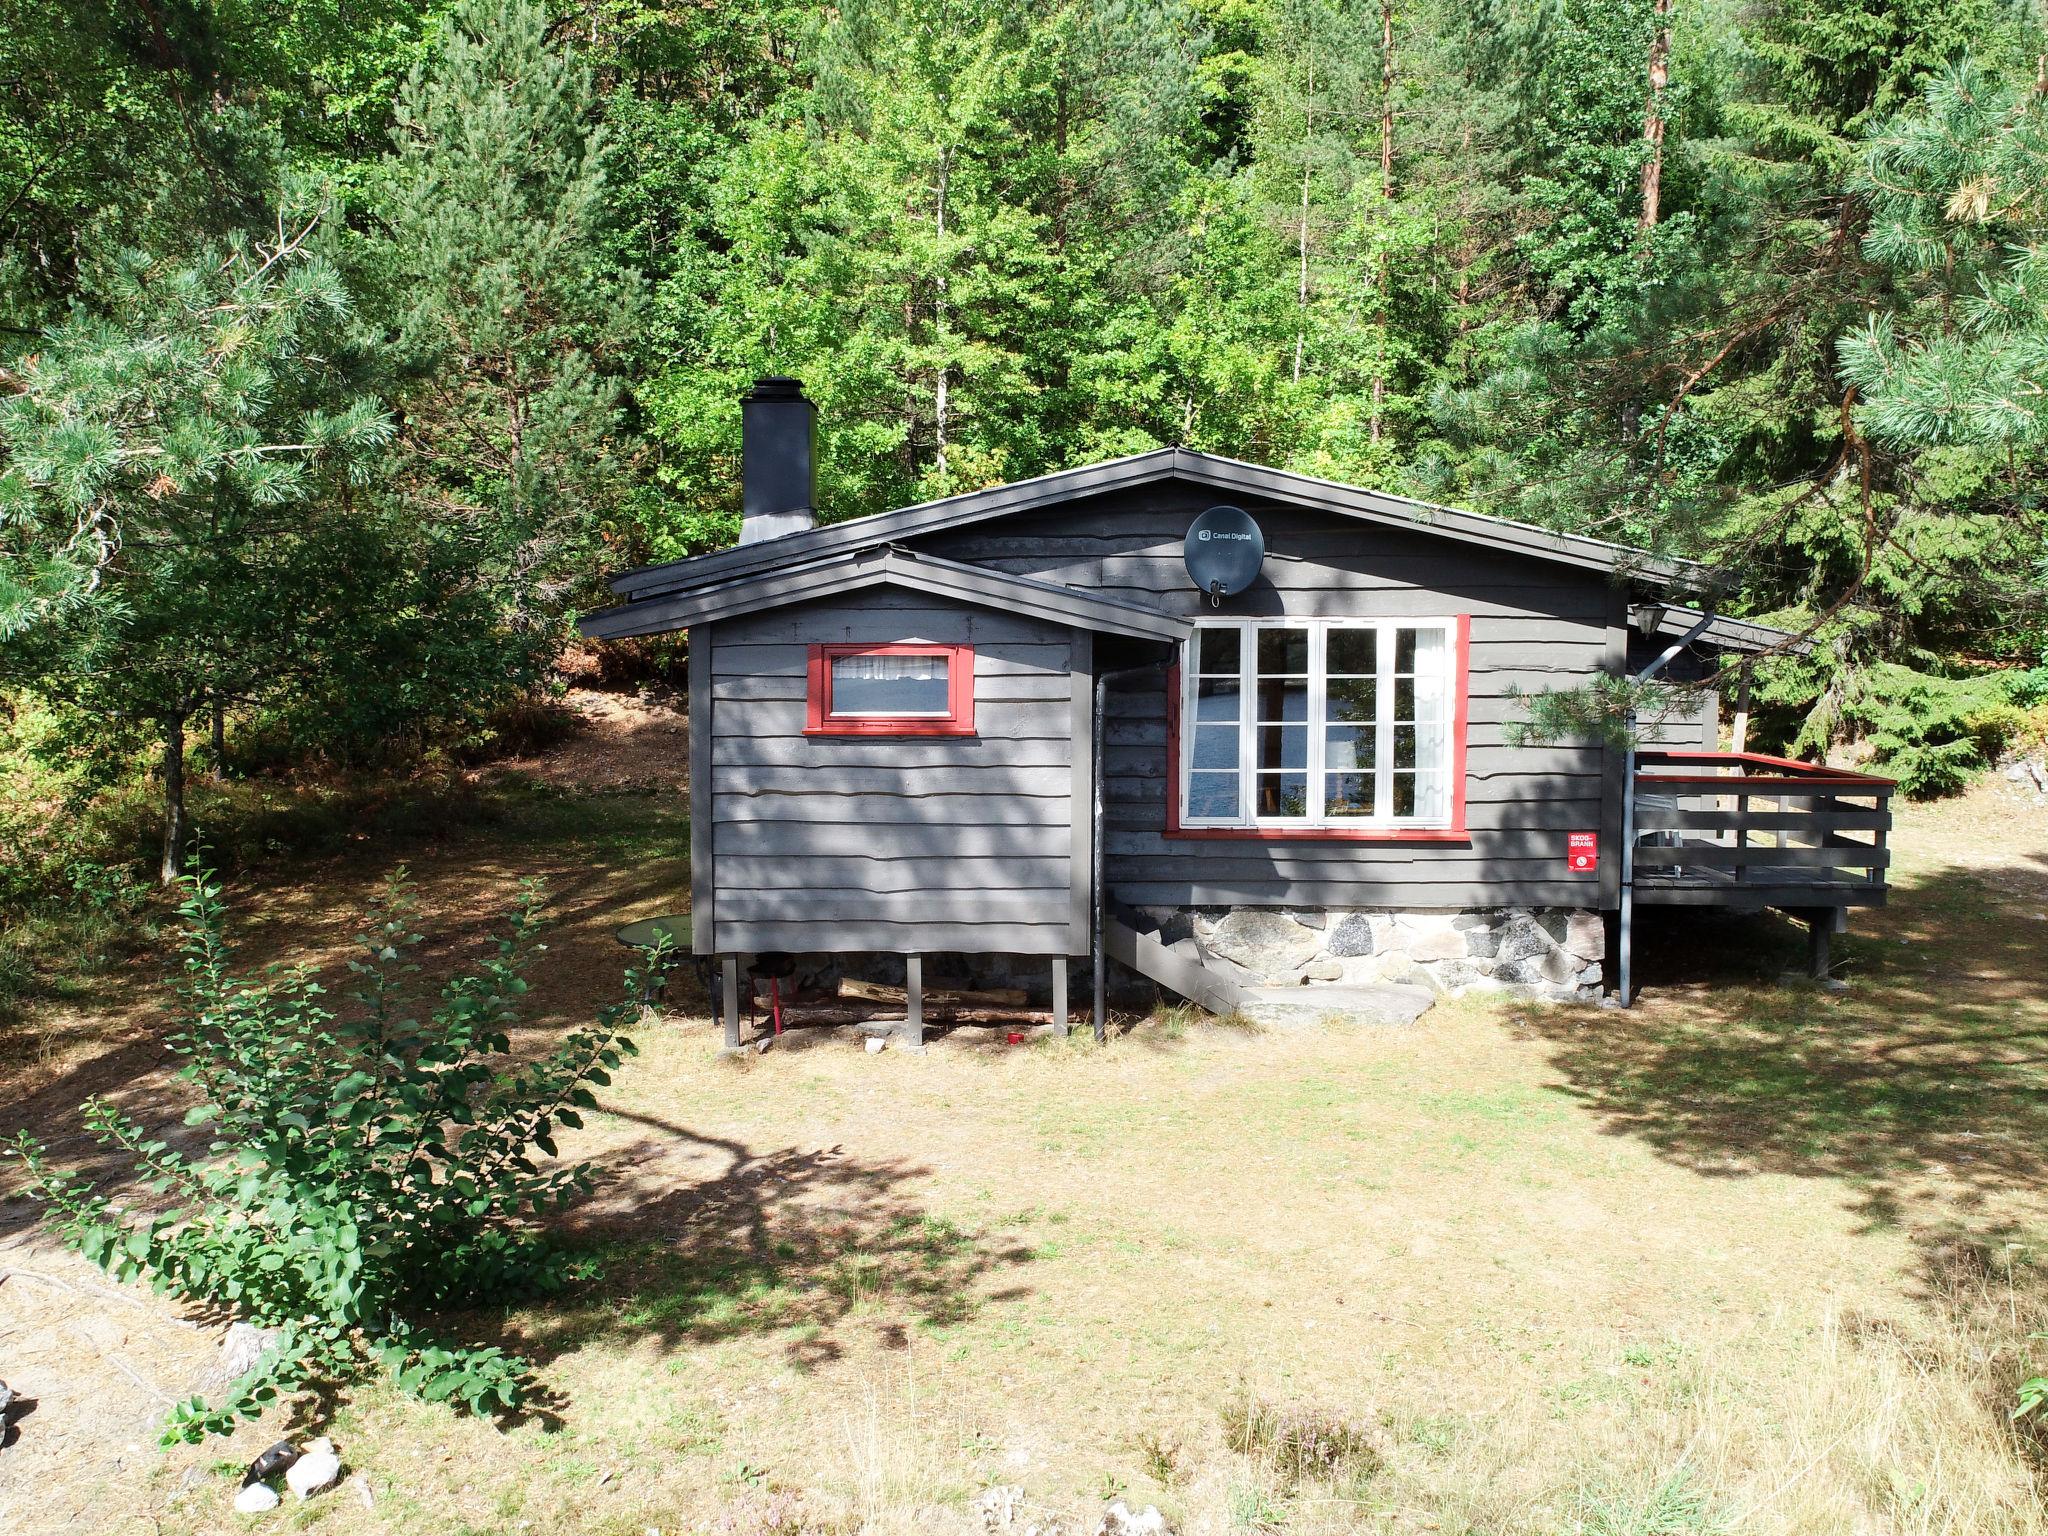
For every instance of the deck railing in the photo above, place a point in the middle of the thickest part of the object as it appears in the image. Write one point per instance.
(1740, 828)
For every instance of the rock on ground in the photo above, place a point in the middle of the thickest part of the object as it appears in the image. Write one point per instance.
(1120, 1520)
(255, 1498)
(1346, 1004)
(998, 1506)
(244, 1348)
(318, 1467)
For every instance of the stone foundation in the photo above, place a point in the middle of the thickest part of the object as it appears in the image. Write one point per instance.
(1553, 953)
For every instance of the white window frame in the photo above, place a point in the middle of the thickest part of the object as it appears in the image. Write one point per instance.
(1317, 819)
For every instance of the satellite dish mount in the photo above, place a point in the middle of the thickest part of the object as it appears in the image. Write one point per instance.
(1224, 552)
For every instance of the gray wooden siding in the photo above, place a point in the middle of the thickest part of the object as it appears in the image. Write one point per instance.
(1687, 730)
(908, 844)
(1534, 626)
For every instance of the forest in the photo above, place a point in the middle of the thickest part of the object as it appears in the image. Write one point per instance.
(345, 347)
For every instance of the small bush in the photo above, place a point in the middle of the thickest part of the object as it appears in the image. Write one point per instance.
(368, 1167)
(1303, 1445)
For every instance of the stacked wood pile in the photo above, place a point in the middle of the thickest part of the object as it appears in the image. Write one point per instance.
(862, 1002)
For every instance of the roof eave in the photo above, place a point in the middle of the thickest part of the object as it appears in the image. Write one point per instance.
(861, 568)
(1617, 560)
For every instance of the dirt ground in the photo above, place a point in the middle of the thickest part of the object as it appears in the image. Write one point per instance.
(1753, 1257)
(620, 741)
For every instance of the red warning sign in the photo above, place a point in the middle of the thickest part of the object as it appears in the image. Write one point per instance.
(1582, 852)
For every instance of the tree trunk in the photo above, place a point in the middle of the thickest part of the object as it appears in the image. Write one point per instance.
(220, 740)
(940, 396)
(1653, 115)
(1385, 272)
(1386, 98)
(1308, 133)
(174, 799)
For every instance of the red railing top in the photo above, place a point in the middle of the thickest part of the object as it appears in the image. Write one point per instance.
(1753, 770)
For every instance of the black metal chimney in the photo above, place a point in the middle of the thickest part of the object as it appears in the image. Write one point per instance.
(778, 460)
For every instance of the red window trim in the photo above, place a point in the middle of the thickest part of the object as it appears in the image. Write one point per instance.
(957, 721)
(1461, 683)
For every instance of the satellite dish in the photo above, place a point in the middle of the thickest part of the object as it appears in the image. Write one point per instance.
(1224, 551)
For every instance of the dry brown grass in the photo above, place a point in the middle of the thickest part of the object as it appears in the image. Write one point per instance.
(1751, 1259)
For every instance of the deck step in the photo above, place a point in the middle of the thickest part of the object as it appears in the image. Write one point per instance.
(1174, 966)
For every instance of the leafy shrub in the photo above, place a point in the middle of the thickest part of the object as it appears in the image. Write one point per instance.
(366, 1169)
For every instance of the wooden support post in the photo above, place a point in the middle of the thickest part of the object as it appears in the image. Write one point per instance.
(1822, 924)
(732, 1002)
(1740, 740)
(1059, 995)
(913, 1011)
(1819, 928)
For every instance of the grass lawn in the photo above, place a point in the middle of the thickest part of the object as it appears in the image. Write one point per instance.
(1750, 1259)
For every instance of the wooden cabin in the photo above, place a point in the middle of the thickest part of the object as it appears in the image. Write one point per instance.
(1012, 723)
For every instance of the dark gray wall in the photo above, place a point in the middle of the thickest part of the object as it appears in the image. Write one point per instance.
(1694, 730)
(1534, 625)
(910, 844)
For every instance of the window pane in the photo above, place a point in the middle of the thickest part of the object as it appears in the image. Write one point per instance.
(1418, 650)
(1354, 700)
(1430, 800)
(890, 685)
(1216, 650)
(1404, 746)
(1283, 746)
(1283, 794)
(1353, 650)
(1348, 794)
(1280, 700)
(1419, 698)
(1404, 794)
(1216, 747)
(1216, 698)
(1429, 697)
(1349, 746)
(1212, 796)
(1283, 651)
(1432, 746)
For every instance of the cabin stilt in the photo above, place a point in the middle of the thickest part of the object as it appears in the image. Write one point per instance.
(913, 1011)
(731, 1002)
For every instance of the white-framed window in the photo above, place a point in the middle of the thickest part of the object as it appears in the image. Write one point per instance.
(1340, 724)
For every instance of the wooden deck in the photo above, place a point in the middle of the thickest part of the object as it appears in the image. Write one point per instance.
(1730, 829)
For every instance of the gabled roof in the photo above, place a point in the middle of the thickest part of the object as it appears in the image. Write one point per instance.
(849, 570)
(1229, 475)
(1744, 635)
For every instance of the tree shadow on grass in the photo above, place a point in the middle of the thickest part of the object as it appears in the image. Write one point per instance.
(702, 1239)
(1928, 1078)
(1922, 1089)
(287, 919)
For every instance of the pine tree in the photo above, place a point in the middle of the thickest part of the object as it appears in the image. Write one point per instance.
(491, 243)
(175, 469)
(1958, 200)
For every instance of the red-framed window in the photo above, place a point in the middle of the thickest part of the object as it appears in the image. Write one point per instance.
(907, 689)
(1320, 730)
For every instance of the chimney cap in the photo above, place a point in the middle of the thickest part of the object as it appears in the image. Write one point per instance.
(775, 386)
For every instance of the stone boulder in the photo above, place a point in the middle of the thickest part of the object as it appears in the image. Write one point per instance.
(1352, 937)
(1267, 942)
(1376, 1005)
(1585, 936)
(1121, 1520)
(1446, 944)
(1522, 938)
